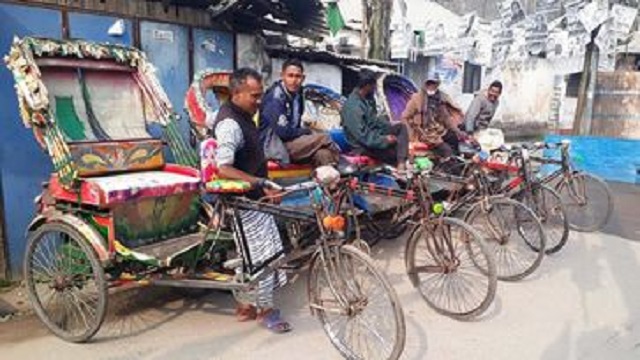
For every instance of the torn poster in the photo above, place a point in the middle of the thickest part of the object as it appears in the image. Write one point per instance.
(593, 15)
(536, 34)
(623, 19)
(551, 9)
(606, 42)
(502, 40)
(511, 12)
(573, 24)
(557, 44)
(518, 50)
(436, 41)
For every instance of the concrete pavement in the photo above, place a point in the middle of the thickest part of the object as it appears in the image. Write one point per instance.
(582, 304)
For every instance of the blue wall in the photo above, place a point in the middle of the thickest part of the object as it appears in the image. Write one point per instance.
(22, 173)
(96, 27)
(23, 165)
(212, 49)
(167, 47)
(609, 158)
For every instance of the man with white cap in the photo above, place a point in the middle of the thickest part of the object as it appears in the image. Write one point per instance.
(432, 116)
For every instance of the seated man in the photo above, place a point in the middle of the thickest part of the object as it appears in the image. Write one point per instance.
(483, 108)
(239, 156)
(369, 134)
(429, 115)
(281, 115)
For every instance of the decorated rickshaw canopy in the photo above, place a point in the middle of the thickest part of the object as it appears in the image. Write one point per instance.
(54, 77)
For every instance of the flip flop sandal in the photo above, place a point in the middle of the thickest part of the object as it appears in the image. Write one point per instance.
(246, 313)
(272, 320)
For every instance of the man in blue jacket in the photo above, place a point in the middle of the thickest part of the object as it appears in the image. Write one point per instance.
(281, 112)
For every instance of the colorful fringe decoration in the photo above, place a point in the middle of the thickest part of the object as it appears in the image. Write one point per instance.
(35, 108)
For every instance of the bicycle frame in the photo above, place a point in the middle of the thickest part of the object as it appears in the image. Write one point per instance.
(252, 273)
(420, 200)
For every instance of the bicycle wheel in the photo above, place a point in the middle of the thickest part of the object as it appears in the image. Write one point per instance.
(548, 206)
(452, 269)
(587, 200)
(359, 310)
(65, 282)
(510, 230)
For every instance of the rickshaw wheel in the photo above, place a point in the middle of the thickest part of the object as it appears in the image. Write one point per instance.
(65, 282)
(356, 304)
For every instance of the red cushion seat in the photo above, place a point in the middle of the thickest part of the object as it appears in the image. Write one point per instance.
(360, 160)
(114, 189)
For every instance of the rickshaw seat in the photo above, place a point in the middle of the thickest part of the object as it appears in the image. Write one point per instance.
(114, 189)
(280, 171)
(419, 147)
(360, 160)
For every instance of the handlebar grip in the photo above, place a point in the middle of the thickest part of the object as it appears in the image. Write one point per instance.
(268, 184)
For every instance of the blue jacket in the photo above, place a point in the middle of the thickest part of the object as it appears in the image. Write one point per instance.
(277, 110)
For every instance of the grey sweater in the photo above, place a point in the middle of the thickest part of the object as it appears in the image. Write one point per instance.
(480, 113)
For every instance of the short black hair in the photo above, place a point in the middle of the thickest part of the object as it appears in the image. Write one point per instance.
(292, 62)
(496, 84)
(366, 77)
(240, 77)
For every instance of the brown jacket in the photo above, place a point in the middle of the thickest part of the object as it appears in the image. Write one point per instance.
(430, 128)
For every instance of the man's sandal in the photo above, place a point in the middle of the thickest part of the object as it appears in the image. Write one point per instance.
(272, 320)
(245, 312)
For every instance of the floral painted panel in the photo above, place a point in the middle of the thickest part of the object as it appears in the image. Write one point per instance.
(108, 157)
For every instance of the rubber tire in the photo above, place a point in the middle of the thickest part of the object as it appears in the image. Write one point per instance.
(96, 266)
(598, 225)
(410, 253)
(554, 247)
(401, 332)
(525, 209)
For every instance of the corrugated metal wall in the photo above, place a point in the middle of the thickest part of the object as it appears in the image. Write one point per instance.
(167, 47)
(22, 173)
(23, 165)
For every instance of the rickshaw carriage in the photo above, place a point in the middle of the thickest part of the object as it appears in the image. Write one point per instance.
(88, 106)
(115, 212)
(113, 206)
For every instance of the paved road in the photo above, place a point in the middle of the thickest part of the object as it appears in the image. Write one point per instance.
(625, 221)
(582, 304)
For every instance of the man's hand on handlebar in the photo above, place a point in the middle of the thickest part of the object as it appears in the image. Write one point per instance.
(272, 190)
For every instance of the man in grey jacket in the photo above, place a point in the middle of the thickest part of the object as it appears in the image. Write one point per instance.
(483, 108)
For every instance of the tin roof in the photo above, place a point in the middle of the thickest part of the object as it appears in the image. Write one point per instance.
(295, 17)
(324, 56)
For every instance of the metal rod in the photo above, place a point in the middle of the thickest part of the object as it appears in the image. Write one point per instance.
(199, 284)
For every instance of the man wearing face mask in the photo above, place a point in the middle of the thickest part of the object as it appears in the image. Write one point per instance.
(432, 116)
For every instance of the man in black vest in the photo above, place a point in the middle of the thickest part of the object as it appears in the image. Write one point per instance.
(240, 156)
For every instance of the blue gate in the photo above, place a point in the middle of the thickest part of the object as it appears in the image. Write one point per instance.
(23, 165)
(96, 28)
(166, 46)
(212, 49)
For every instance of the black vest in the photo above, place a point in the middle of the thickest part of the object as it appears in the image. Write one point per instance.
(250, 157)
